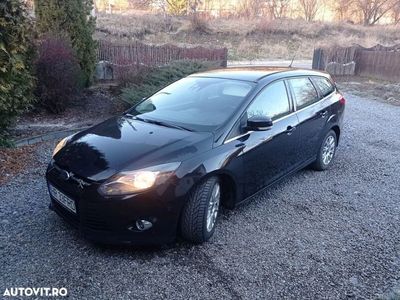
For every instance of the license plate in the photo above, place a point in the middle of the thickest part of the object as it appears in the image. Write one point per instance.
(61, 198)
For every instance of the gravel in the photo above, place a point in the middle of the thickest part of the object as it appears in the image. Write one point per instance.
(332, 234)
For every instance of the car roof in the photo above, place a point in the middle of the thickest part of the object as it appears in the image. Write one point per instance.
(255, 74)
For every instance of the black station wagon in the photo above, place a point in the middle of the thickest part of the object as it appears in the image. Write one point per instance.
(164, 167)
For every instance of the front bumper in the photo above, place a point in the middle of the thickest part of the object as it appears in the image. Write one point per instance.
(113, 220)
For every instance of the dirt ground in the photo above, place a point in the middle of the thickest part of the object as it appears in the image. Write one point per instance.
(14, 161)
(383, 91)
(94, 105)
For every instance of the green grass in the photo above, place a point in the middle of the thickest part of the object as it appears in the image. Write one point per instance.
(5, 142)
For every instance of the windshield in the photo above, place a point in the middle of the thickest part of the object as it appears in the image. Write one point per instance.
(196, 103)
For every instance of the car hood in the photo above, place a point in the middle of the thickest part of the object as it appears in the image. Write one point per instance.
(123, 143)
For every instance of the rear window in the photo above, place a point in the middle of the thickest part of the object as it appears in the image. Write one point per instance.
(324, 85)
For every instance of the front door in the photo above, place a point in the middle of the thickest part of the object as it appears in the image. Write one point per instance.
(268, 155)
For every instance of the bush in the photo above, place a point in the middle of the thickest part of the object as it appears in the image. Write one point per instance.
(147, 83)
(73, 17)
(16, 55)
(199, 25)
(58, 74)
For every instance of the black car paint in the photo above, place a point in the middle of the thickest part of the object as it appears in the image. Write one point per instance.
(246, 163)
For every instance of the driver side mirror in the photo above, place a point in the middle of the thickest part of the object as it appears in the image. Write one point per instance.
(259, 123)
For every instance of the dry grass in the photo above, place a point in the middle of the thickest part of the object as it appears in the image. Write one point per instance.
(14, 161)
(246, 39)
(369, 88)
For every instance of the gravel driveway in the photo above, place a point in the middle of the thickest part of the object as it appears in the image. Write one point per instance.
(333, 234)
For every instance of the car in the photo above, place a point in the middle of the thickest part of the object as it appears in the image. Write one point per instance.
(163, 168)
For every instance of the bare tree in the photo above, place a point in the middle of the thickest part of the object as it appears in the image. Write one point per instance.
(249, 8)
(309, 9)
(278, 8)
(140, 4)
(177, 7)
(373, 10)
(343, 9)
(395, 13)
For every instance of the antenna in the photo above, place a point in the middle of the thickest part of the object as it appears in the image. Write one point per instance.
(297, 50)
(290, 65)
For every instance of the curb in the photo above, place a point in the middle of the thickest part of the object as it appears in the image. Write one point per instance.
(47, 136)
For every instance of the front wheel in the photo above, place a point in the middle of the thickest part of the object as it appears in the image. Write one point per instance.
(200, 213)
(326, 152)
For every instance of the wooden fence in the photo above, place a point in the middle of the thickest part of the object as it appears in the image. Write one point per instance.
(378, 62)
(117, 58)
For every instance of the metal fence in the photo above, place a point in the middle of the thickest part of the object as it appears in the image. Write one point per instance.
(378, 62)
(117, 58)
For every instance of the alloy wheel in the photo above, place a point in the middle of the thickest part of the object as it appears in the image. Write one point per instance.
(328, 150)
(213, 207)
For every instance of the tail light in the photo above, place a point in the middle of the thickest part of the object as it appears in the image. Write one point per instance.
(342, 101)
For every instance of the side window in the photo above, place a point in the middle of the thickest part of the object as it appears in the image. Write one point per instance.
(272, 102)
(303, 91)
(324, 85)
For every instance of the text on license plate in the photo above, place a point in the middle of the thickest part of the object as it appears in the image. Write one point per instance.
(64, 200)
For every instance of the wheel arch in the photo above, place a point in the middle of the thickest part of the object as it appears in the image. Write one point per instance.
(336, 129)
(228, 185)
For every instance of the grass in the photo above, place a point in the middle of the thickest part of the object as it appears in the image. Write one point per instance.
(370, 88)
(257, 38)
(152, 80)
(5, 141)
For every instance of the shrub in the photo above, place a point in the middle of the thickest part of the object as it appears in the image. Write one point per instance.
(199, 25)
(58, 74)
(149, 82)
(72, 17)
(129, 73)
(177, 7)
(16, 55)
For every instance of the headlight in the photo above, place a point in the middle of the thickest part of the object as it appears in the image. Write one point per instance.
(130, 182)
(60, 145)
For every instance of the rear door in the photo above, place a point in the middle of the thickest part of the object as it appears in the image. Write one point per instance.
(312, 114)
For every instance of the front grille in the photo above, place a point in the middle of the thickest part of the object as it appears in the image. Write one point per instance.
(93, 218)
(89, 215)
(67, 215)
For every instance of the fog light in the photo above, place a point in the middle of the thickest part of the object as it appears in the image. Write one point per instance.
(142, 225)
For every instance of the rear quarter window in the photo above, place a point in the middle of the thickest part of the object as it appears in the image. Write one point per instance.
(324, 85)
(304, 92)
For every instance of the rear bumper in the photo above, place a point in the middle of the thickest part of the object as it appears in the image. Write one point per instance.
(113, 221)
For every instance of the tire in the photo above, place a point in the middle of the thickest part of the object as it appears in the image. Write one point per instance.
(196, 224)
(328, 145)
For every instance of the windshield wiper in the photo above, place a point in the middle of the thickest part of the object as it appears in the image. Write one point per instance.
(161, 123)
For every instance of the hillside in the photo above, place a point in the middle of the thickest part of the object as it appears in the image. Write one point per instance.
(257, 38)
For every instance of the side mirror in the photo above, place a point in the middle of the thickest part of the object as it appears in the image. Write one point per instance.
(259, 123)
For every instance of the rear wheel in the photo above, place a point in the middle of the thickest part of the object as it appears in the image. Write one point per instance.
(326, 152)
(200, 213)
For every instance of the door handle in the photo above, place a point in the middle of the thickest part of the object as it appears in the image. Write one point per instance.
(323, 113)
(289, 130)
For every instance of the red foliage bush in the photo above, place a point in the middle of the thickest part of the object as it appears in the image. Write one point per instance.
(58, 73)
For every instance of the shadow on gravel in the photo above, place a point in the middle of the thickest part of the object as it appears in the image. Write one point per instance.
(180, 245)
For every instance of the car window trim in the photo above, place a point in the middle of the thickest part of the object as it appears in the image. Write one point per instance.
(291, 108)
(292, 92)
(295, 111)
(312, 77)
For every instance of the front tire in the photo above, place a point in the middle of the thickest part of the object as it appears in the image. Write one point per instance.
(326, 152)
(200, 212)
